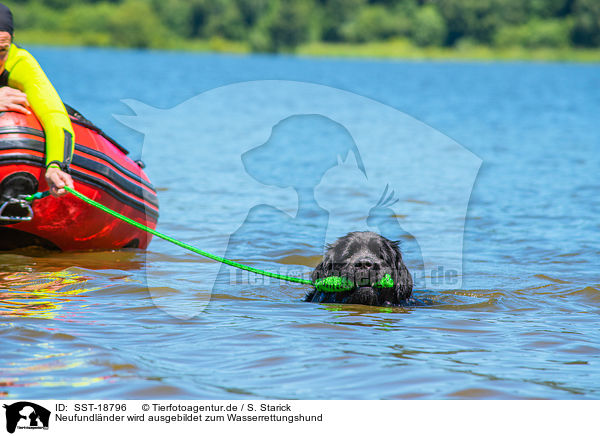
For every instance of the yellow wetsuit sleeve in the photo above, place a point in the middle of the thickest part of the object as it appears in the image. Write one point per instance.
(26, 75)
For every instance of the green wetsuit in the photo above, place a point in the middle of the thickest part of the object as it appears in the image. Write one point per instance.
(24, 73)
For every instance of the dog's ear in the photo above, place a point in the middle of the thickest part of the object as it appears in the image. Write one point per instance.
(390, 251)
(404, 282)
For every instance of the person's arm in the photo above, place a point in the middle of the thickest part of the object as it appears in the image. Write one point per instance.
(27, 75)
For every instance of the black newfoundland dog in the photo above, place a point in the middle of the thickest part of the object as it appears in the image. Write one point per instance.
(364, 258)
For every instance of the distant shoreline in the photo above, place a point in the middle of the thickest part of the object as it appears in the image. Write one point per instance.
(402, 49)
(399, 49)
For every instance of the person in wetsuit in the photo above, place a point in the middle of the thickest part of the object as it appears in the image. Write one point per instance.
(24, 85)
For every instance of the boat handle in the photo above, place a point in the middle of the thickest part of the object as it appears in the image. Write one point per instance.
(21, 203)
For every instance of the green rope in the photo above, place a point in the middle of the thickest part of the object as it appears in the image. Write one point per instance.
(184, 245)
(327, 284)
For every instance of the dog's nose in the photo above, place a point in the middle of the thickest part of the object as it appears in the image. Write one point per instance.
(367, 264)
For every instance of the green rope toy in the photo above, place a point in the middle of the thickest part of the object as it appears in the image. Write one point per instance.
(328, 284)
(342, 284)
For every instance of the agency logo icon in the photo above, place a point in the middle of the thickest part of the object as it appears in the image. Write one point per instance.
(26, 415)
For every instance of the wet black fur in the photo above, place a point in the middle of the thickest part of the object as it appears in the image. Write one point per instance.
(364, 258)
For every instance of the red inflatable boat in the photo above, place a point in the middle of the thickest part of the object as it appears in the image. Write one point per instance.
(100, 169)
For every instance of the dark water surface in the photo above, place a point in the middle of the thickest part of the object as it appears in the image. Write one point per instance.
(524, 322)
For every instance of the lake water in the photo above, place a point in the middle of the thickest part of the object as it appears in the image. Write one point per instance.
(495, 167)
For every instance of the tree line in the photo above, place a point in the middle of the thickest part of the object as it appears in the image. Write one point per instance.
(283, 25)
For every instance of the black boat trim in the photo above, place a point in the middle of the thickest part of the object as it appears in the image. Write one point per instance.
(78, 147)
(102, 185)
(27, 159)
(83, 162)
(78, 118)
(113, 176)
(5, 130)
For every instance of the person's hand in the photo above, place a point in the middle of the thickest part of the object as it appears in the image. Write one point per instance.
(13, 100)
(57, 179)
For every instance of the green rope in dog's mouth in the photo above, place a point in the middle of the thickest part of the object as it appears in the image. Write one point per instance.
(328, 284)
(342, 284)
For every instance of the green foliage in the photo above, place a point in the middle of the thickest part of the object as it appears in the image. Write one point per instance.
(226, 21)
(135, 24)
(548, 8)
(58, 4)
(476, 19)
(85, 17)
(586, 27)
(34, 15)
(176, 15)
(283, 25)
(535, 34)
(374, 23)
(336, 14)
(429, 27)
(252, 10)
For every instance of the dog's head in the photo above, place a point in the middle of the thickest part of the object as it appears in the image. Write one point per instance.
(364, 260)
